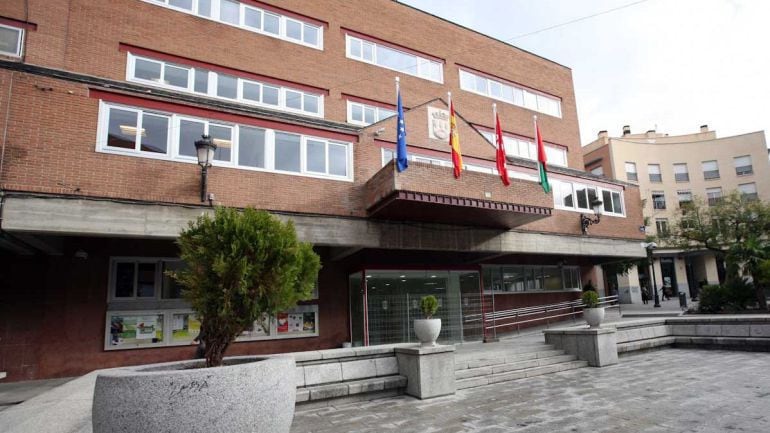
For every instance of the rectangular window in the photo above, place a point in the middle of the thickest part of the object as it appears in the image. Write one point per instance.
(518, 148)
(661, 226)
(654, 172)
(224, 86)
(517, 279)
(714, 196)
(680, 173)
(743, 165)
(658, 200)
(748, 191)
(392, 58)
(510, 93)
(143, 278)
(631, 175)
(572, 196)
(710, 170)
(684, 197)
(129, 130)
(364, 115)
(251, 18)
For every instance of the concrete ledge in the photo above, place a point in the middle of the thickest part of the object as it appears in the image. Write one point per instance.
(597, 346)
(344, 389)
(429, 370)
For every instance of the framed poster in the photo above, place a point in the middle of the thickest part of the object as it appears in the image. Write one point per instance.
(127, 330)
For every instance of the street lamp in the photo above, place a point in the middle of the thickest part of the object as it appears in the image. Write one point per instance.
(205, 148)
(586, 221)
(649, 247)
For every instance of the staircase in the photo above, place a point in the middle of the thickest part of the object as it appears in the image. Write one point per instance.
(504, 361)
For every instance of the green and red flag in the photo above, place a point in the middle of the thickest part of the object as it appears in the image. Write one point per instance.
(541, 159)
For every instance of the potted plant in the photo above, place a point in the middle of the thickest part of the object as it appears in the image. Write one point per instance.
(592, 312)
(427, 329)
(240, 267)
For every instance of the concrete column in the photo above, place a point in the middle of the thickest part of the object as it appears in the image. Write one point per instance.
(681, 276)
(628, 287)
(658, 279)
(430, 371)
(711, 269)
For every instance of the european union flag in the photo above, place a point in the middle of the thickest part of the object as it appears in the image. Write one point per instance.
(401, 160)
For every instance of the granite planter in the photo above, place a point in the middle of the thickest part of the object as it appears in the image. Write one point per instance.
(427, 331)
(593, 316)
(248, 394)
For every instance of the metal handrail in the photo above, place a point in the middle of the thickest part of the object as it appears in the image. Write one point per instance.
(545, 312)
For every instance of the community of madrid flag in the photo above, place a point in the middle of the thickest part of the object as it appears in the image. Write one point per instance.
(500, 152)
(541, 159)
(401, 159)
(454, 141)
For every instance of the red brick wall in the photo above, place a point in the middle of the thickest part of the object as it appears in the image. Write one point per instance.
(83, 36)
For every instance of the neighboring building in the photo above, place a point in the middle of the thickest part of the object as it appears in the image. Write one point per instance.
(101, 105)
(671, 170)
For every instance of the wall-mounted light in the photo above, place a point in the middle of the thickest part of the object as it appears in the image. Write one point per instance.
(205, 148)
(586, 221)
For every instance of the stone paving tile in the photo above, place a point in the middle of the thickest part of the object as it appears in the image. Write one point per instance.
(671, 390)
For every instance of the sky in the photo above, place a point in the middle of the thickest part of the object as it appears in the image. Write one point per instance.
(668, 65)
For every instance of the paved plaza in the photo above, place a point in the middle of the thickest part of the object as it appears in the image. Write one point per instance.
(671, 390)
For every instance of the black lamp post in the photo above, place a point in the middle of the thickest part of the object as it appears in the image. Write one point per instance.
(205, 148)
(649, 247)
(586, 221)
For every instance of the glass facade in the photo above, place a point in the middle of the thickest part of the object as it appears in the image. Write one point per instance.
(508, 279)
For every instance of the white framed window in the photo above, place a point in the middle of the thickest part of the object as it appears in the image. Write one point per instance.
(143, 278)
(631, 174)
(684, 196)
(153, 134)
(392, 58)
(748, 191)
(661, 227)
(653, 170)
(658, 200)
(743, 166)
(680, 173)
(578, 197)
(710, 170)
(190, 79)
(251, 18)
(364, 115)
(510, 93)
(389, 155)
(713, 195)
(11, 40)
(521, 148)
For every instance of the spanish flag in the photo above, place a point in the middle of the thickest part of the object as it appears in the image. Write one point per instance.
(454, 140)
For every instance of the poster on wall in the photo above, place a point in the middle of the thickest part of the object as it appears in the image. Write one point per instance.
(283, 322)
(135, 330)
(185, 327)
(260, 328)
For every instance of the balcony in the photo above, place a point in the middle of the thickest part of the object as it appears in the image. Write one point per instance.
(430, 193)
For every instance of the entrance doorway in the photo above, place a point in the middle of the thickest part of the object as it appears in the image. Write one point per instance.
(668, 275)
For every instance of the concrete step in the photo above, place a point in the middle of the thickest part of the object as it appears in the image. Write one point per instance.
(350, 388)
(556, 358)
(473, 382)
(651, 314)
(544, 351)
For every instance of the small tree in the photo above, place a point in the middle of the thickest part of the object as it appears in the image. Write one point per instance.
(735, 229)
(429, 306)
(241, 266)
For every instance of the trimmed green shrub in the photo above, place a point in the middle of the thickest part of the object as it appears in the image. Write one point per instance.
(429, 306)
(590, 299)
(713, 299)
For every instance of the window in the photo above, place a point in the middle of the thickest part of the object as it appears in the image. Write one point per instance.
(654, 172)
(513, 279)
(748, 191)
(363, 114)
(710, 170)
(224, 86)
(743, 165)
(510, 93)
(631, 172)
(11, 40)
(661, 225)
(658, 200)
(142, 278)
(522, 148)
(684, 197)
(680, 173)
(578, 197)
(714, 196)
(136, 131)
(251, 18)
(391, 58)
(389, 155)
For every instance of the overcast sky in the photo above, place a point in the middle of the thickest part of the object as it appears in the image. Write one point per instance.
(670, 65)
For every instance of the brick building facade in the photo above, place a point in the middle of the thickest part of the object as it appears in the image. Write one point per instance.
(101, 103)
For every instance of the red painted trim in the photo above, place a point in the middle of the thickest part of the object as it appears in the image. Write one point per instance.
(446, 156)
(504, 80)
(519, 136)
(375, 39)
(186, 61)
(26, 25)
(204, 113)
(288, 13)
(354, 98)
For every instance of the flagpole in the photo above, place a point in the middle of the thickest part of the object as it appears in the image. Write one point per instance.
(494, 120)
(398, 84)
(449, 99)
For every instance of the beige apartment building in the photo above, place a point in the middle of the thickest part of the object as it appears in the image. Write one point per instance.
(671, 170)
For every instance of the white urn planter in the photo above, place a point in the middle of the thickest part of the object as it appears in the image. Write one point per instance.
(593, 316)
(427, 331)
(248, 394)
